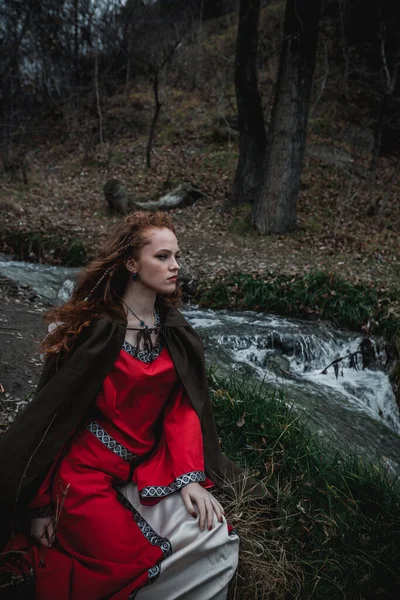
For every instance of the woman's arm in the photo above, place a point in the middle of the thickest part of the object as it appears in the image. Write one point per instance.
(185, 444)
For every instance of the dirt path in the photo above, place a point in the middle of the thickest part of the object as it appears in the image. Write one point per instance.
(21, 329)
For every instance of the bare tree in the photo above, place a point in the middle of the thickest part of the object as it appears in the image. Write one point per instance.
(390, 70)
(157, 104)
(275, 209)
(168, 38)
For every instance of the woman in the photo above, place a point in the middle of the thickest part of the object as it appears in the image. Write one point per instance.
(110, 464)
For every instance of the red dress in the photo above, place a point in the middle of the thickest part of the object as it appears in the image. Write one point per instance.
(144, 429)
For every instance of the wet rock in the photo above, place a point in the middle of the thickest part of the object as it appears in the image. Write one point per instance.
(32, 295)
(9, 286)
(358, 137)
(394, 378)
(116, 196)
(278, 364)
(367, 349)
(329, 155)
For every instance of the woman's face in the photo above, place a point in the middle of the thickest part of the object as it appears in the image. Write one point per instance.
(157, 267)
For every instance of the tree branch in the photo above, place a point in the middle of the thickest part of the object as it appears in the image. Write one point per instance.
(338, 360)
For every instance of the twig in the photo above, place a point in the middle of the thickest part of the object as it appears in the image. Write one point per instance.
(11, 400)
(337, 360)
(19, 336)
(157, 103)
(96, 86)
(60, 506)
(324, 80)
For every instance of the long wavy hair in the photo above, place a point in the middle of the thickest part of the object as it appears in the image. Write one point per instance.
(102, 283)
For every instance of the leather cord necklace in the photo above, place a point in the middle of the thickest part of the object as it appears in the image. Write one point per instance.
(145, 331)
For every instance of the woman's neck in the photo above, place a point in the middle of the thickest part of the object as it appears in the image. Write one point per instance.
(140, 300)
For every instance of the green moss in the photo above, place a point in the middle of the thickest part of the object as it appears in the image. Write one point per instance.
(29, 245)
(241, 222)
(318, 294)
(395, 375)
(220, 158)
(32, 245)
(216, 296)
(76, 254)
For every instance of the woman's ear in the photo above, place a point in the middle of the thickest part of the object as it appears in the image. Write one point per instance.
(130, 264)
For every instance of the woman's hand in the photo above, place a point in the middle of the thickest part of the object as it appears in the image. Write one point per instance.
(43, 530)
(206, 504)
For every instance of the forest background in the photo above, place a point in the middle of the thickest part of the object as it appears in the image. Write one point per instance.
(285, 116)
(78, 82)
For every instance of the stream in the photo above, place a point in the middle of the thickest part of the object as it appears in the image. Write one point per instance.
(356, 411)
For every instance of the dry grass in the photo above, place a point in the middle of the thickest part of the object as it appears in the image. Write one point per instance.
(265, 572)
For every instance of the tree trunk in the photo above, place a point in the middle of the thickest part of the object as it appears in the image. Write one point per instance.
(97, 91)
(379, 127)
(275, 209)
(76, 40)
(199, 49)
(249, 170)
(157, 103)
(129, 57)
(157, 108)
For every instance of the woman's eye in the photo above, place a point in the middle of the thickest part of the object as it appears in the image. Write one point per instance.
(162, 256)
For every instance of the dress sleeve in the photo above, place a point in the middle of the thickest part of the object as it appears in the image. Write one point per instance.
(178, 459)
(41, 504)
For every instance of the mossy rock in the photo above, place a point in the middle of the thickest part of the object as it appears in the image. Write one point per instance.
(394, 379)
(32, 244)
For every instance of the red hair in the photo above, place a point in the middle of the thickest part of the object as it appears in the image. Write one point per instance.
(102, 283)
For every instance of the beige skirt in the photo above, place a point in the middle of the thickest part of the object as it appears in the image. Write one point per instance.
(202, 562)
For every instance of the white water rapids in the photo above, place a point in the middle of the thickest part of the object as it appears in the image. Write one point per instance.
(356, 411)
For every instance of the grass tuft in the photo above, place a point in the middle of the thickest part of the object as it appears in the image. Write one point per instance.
(31, 245)
(318, 294)
(333, 530)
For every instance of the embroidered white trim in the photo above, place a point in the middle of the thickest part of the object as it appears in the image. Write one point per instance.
(151, 536)
(159, 491)
(152, 575)
(142, 355)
